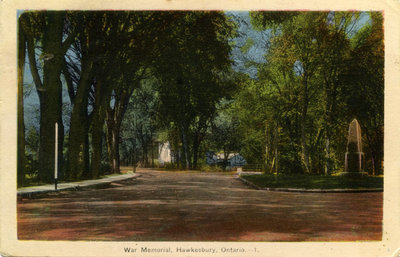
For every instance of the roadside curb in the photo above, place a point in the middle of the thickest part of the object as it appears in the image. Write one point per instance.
(304, 190)
(74, 186)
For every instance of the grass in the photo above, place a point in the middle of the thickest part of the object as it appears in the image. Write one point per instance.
(314, 181)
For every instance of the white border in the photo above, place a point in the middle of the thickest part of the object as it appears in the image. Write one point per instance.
(9, 245)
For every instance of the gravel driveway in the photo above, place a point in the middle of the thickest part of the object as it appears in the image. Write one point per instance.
(192, 206)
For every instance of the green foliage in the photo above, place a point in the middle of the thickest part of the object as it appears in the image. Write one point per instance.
(263, 20)
(224, 134)
(31, 156)
(246, 47)
(139, 126)
(171, 166)
(294, 118)
(364, 91)
(168, 76)
(105, 168)
(211, 168)
(193, 69)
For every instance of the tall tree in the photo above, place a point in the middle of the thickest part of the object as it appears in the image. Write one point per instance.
(314, 51)
(21, 125)
(225, 131)
(112, 45)
(190, 68)
(89, 43)
(139, 124)
(364, 92)
(51, 31)
(144, 41)
(296, 42)
(334, 43)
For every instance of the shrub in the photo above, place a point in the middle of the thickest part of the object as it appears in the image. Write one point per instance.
(105, 168)
(170, 166)
(211, 168)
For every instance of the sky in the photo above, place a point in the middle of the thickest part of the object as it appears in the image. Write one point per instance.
(256, 51)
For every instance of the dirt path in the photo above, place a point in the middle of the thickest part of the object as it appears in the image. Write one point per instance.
(176, 206)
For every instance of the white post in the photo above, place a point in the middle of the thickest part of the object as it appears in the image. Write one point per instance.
(56, 157)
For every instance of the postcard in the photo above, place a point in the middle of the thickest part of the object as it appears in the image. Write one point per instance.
(172, 128)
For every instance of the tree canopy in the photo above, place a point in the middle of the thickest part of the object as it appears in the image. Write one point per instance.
(143, 77)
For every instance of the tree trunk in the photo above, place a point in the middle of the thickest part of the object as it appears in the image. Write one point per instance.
(373, 163)
(178, 159)
(97, 145)
(78, 148)
(225, 162)
(331, 95)
(304, 148)
(51, 100)
(195, 150)
(103, 95)
(113, 147)
(152, 152)
(50, 113)
(328, 123)
(115, 150)
(86, 170)
(145, 157)
(269, 160)
(114, 119)
(113, 141)
(110, 124)
(21, 126)
(328, 156)
(185, 147)
(276, 142)
(113, 134)
(50, 89)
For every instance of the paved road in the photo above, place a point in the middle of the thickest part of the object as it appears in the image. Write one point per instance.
(177, 206)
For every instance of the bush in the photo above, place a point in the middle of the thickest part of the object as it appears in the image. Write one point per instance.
(211, 168)
(170, 166)
(105, 168)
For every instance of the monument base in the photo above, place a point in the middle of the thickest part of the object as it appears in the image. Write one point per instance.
(353, 174)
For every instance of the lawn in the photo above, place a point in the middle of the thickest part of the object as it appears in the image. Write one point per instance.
(314, 181)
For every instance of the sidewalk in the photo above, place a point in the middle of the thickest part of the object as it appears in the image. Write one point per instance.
(29, 191)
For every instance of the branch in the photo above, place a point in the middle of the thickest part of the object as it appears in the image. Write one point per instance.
(70, 85)
(73, 66)
(68, 42)
(32, 63)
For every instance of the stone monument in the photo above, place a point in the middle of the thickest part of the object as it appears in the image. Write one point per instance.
(354, 158)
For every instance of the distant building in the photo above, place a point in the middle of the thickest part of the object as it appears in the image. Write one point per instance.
(234, 159)
(167, 155)
(211, 158)
(164, 153)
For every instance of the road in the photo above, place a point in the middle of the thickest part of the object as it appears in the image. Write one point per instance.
(182, 206)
